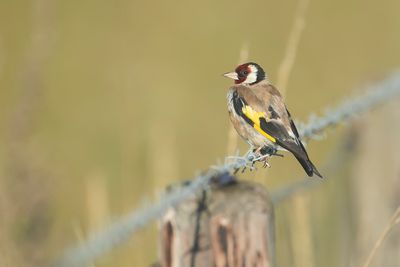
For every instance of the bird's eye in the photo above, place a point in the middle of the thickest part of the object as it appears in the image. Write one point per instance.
(244, 72)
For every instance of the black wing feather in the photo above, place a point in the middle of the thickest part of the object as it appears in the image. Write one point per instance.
(238, 104)
(292, 126)
(279, 132)
(289, 143)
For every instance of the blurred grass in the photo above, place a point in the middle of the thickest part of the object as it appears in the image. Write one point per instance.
(133, 90)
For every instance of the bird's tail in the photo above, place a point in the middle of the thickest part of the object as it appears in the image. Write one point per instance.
(308, 166)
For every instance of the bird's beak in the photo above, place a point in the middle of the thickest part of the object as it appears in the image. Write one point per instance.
(232, 75)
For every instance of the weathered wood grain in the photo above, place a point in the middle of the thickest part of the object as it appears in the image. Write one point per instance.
(226, 226)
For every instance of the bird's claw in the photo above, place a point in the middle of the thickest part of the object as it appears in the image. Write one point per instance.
(266, 164)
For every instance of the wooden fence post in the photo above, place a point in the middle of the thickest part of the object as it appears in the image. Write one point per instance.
(226, 226)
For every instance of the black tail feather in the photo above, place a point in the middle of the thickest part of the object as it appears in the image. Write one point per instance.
(298, 150)
(308, 167)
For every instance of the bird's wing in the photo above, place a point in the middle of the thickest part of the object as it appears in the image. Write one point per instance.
(263, 108)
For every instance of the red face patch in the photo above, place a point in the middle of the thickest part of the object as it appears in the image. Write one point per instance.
(242, 72)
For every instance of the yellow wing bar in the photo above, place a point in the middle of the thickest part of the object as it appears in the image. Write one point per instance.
(255, 116)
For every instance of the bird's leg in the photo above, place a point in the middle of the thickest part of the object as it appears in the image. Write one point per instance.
(264, 159)
(259, 152)
(265, 153)
(266, 163)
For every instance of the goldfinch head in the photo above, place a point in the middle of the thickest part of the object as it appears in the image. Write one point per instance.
(248, 73)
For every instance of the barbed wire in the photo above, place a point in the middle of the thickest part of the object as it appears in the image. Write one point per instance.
(337, 158)
(373, 96)
(121, 230)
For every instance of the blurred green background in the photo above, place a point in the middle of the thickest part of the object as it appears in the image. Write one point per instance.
(104, 103)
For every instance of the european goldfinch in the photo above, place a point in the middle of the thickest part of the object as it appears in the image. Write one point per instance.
(260, 116)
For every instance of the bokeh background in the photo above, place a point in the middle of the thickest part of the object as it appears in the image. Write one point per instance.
(104, 103)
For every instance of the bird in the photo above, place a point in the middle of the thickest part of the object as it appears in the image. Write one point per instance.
(260, 116)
